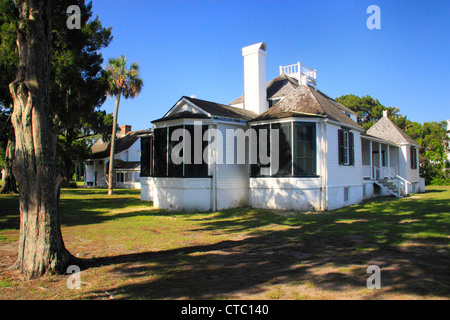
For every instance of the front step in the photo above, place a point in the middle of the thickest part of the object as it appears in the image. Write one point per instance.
(392, 187)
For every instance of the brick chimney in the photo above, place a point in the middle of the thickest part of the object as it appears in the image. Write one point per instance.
(125, 130)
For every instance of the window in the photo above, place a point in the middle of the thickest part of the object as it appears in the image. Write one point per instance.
(346, 148)
(346, 194)
(305, 150)
(413, 158)
(273, 102)
(297, 150)
(120, 177)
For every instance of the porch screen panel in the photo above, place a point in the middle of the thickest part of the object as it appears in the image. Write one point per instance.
(256, 168)
(305, 150)
(160, 152)
(174, 170)
(146, 156)
(192, 169)
(285, 149)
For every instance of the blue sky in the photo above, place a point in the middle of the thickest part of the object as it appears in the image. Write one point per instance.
(194, 48)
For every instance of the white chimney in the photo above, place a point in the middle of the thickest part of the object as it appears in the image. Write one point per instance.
(255, 78)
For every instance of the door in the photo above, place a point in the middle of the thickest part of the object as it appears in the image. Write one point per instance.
(376, 163)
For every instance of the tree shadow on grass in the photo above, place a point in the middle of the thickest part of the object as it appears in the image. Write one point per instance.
(330, 251)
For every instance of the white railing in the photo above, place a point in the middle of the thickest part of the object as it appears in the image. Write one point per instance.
(400, 182)
(302, 73)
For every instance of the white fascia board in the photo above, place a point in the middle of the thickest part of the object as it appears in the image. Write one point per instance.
(185, 101)
(339, 124)
(378, 140)
(283, 120)
(180, 122)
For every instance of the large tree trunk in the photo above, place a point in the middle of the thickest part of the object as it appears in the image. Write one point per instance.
(8, 180)
(41, 247)
(111, 180)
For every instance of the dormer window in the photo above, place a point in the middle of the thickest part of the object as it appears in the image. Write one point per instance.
(273, 102)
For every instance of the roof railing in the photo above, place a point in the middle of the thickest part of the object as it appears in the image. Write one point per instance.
(304, 75)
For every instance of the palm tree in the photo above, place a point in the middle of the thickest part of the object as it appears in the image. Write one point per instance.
(122, 82)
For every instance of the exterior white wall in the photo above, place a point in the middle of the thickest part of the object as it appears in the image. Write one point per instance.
(147, 188)
(232, 180)
(132, 154)
(301, 194)
(341, 177)
(179, 194)
(336, 196)
(412, 175)
(91, 169)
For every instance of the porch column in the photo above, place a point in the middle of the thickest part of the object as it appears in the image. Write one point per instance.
(380, 162)
(371, 159)
(95, 170)
(388, 158)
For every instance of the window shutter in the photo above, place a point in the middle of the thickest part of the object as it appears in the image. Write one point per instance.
(413, 158)
(351, 137)
(341, 147)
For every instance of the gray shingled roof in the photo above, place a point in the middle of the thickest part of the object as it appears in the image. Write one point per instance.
(129, 166)
(183, 115)
(101, 149)
(283, 86)
(387, 130)
(278, 87)
(306, 101)
(221, 110)
(215, 110)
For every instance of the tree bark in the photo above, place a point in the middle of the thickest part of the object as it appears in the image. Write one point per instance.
(111, 180)
(8, 180)
(41, 247)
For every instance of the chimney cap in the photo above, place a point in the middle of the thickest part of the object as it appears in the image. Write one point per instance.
(255, 48)
(385, 113)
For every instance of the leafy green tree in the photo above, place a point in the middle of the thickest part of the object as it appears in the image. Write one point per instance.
(8, 66)
(122, 82)
(368, 109)
(79, 81)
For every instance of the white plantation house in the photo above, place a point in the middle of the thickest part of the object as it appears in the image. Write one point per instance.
(127, 161)
(315, 156)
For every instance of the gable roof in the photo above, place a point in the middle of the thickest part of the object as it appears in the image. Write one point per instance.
(306, 101)
(387, 130)
(210, 110)
(101, 149)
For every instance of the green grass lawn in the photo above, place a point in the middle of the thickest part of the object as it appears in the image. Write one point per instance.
(133, 251)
